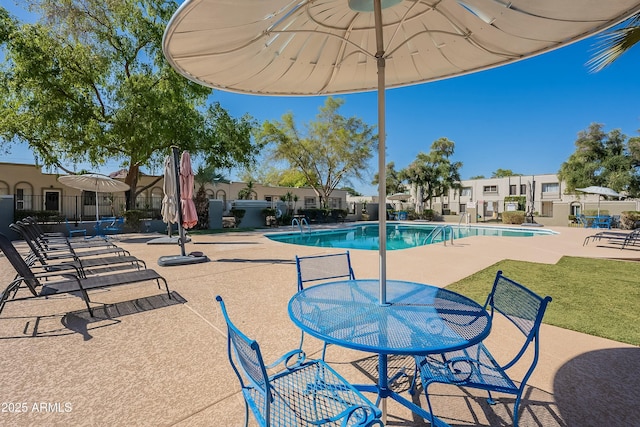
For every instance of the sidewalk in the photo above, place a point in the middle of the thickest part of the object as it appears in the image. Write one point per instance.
(151, 361)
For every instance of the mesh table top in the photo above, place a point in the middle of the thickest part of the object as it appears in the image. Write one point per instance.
(418, 319)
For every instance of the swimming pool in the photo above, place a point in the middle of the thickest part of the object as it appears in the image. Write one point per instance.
(399, 235)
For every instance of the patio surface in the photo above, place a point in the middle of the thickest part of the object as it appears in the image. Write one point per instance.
(151, 361)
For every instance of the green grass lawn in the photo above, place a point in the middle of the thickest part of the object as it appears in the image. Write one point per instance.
(595, 296)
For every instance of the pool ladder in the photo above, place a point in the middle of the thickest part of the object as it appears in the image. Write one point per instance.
(300, 223)
(466, 216)
(441, 230)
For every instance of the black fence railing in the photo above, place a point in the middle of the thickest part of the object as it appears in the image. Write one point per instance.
(78, 208)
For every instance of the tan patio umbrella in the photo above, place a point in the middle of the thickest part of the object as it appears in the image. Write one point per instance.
(316, 47)
(94, 182)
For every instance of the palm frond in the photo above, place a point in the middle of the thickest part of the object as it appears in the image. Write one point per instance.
(612, 44)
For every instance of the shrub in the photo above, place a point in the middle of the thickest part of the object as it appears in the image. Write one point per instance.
(134, 217)
(40, 216)
(238, 214)
(513, 217)
(630, 220)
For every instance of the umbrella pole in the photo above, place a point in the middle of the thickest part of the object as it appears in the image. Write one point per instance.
(176, 168)
(382, 171)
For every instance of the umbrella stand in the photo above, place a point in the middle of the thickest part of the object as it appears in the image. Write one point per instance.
(183, 258)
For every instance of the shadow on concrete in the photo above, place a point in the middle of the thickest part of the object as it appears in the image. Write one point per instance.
(459, 406)
(81, 322)
(600, 388)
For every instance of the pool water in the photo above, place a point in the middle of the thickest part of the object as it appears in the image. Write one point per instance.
(399, 236)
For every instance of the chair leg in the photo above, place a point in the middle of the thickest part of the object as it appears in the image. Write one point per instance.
(490, 399)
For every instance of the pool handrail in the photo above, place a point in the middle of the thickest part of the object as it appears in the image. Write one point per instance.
(295, 222)
(441, 229)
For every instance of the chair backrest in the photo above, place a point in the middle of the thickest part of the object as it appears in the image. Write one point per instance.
(246, 359)
(35, 250)
(520, 306)
(323, 267)
(18, 263)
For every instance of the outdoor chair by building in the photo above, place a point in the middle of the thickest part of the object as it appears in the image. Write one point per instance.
(318, 268)
(302, 393)
(475, 366)
(43, 284)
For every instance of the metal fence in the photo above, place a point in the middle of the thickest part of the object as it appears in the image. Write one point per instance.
(79, 208)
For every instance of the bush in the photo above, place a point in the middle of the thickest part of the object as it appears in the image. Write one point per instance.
(238, 214)
(630, 220)
(134, 217)
(40, 216)
(513, 217)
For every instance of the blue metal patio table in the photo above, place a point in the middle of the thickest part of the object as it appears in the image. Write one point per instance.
(417, 319)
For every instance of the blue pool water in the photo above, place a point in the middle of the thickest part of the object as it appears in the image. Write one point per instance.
(399, 235)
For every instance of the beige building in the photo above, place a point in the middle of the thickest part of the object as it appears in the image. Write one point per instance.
(36, 190)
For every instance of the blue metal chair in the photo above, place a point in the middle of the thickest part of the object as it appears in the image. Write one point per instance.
(303, 393)
(319, 268)
(474, 366)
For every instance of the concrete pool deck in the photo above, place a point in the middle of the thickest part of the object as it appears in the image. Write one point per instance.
(151, 361)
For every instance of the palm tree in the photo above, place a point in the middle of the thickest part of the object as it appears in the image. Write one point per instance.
(614, 43)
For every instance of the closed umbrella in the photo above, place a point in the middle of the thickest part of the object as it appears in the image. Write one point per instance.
(600, 191)
(94, 182)
(169, 203)
(189, 214)
(315, 47)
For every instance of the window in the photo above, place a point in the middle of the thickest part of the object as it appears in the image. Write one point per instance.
(309, 202)
(463, 208)
(89, 198)
(523, 189)
(466, 191)
(551, 187)
(335, 202)
(490, 189)
(512, 189)
(19, 199)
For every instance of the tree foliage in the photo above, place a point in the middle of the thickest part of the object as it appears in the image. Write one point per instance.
(502, 173)
(89, 83)
(603, 159)
(613, 43)
(434, 173)
(329, 152)
(394, 182)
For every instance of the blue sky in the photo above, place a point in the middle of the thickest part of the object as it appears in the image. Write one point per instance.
(524, 116)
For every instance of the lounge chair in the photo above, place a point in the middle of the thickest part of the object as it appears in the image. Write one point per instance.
(54, 283)
(318, 268)
(63, 249)
(302, 393)
(615, 237)
(475, 366)
(83, 265)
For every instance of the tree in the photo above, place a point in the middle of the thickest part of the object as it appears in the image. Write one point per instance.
(603, 159)
(248, 192)
(330, 151)
(394, 183)
(614, 43)
(434, 174)
(89, 83)
(501, 173)
(477, 177)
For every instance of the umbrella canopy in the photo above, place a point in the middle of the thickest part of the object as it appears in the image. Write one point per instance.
(189, 214)
(314, 47)
(94, 182)
(600, 191)
(169, 203)
(399, 196)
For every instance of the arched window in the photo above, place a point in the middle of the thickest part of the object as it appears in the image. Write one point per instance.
(4, 188)
(23, 196)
